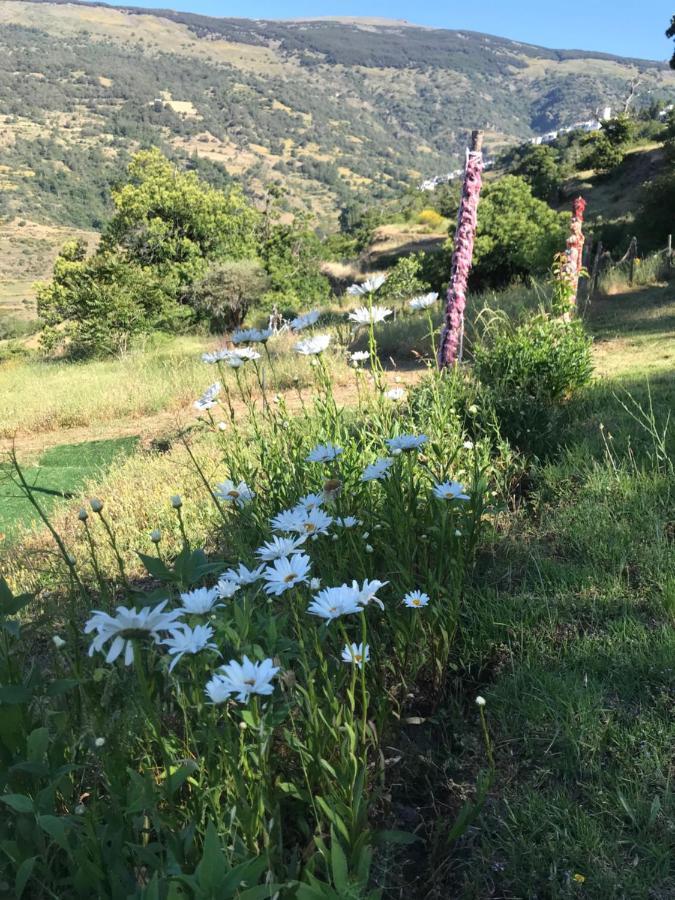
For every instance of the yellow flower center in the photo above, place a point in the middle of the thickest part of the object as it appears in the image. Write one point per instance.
(416, 601)
(290, 577)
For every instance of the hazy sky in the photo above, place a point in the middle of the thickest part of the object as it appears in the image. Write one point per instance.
(626, 27)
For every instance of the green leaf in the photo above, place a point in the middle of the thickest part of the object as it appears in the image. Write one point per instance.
(61, 686)
(178, 778)
(15, 693)
(23, 874)
(37, 744)
(259, 892)
(156, 567)
(213, 866)
(338, 862)
(57, 828)
(396, 837)
(18, 802)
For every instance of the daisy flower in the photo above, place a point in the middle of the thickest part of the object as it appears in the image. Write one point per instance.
(309, 502)
(415, 599)
(369, 286)
(324, 453)
(405, 442)
(314, 345)
(424, 301)
(378, 470)
(251, 335)
(127, 624)
(348, 522)
(239, 494)
(184, 639)
(362, 315)
(450, 490)
(243, 575)
(395, 394)
(208, 398)
(356, 654)
(279, 547)
(285, 573)
(245, 353)
(226, 588)
(359, 356)
(200, 601)
(218, 690)
(287, 520)
(367, 592)
(216, 355)
(314, 522)
(333, 602)
(245, 678)
(305, 320)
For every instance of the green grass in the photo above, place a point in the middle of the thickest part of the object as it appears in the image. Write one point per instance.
(568, 633)
(56, 477)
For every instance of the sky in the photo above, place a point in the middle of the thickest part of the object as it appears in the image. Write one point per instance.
(624, 27)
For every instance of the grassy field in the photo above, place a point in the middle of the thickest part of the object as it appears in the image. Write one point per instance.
(55, 476)
(566, 630)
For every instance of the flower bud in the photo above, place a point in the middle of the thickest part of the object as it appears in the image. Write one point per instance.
(83, 515)
(222, 426)
(99, 742)
(176, 501)
(480, 701)
(96, 504)
(315, 584)
(155, 536)
(58, 642)
(369, 548)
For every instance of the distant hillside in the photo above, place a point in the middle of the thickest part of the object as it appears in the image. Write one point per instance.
(332, 109)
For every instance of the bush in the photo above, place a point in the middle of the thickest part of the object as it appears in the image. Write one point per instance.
(227, 292)
(530, 373)
(431, 219)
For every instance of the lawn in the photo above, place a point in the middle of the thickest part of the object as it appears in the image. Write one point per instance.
(56, 476)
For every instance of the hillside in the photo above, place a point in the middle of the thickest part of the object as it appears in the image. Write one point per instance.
(333, 109)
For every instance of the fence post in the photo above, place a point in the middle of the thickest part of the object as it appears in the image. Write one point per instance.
(595, 271)
(632, 251)
(669, 252)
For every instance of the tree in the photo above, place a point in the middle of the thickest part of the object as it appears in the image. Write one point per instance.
(619, 130)
(539, 166)
(654, 220)
(175, 223)
(517, 233)
(227, 291)
(604, 155)
(292, 255)
(97, 306)
(670, 33)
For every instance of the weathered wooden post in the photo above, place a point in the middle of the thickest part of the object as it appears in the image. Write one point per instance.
(595, 271)
(669, 252)
(452, 337)
(632, 253)
(575, 249)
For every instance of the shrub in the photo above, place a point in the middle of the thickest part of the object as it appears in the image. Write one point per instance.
(529, 373)
(431, 219)
(226, 293)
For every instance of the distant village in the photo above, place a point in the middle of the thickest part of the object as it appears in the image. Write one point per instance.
(587, 125)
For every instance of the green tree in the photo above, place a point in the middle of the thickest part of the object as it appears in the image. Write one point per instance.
(517, 233)
(619, 130)
(654, 221)
(539, 166)
(97, 306)
(292, 256)
(670, 33)
(175, 223)
(227, 291)
(604, 156)
(404, 280)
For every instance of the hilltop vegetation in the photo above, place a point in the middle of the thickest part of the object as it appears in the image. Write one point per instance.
(332, 110)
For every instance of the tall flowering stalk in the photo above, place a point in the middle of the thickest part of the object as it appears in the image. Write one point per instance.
(450, 348)
(574, 252)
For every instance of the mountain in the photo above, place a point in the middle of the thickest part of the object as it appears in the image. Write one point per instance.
(332, 108)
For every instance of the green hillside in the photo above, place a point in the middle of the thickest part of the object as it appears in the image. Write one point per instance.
(332, 109)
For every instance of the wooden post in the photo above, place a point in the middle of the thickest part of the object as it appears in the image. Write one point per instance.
(632, 251)
(669, 252)
(451, 344)
(595, 271)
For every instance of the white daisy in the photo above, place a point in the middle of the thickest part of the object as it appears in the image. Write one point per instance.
(242, 575)
(200, 601)
(415, 599)
(348, 522)
(279, 547)
(368, 287)
(309, 502)
(424, 301)
(333, 602)
(359, 356)
(305, 320)
(245, 353)
(314, 522)
(239, 494)
(378, 470)
(287, 520)
(468, 445)
(209, 398)
(407, 442)
(314, 345)
(365, 316)
(395, 394)
(226, 588)
(367, 592)
(245, 678)
(324, 453)
(450, 490)
(218, 689)
(216, 355)
(286, 573)
(184, 639)
(251, 335)
(127, 624)
(356, 654)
